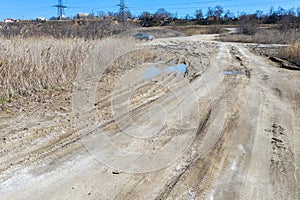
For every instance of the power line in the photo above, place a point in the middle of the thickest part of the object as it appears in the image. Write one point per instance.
(180, 7)
(60, 9)
(122, 6)
(197, 2)
(122, 13)
(229, 5)
(187, 5)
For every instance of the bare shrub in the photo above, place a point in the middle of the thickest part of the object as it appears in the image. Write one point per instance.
(269, 36)
(248, 24)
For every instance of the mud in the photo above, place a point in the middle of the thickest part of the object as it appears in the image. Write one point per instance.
(245, 128)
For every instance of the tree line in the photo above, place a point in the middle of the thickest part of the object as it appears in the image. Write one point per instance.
(213, 15)
(218, 15)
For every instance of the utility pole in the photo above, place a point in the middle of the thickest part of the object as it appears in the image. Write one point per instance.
(60, 9)
(122, 14)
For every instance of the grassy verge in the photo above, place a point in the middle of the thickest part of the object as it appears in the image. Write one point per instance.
(197, 30)
(265, 36)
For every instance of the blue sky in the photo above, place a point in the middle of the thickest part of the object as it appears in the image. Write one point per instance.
(30, 9)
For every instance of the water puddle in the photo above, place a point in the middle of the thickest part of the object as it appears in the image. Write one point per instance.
(152, 72)
(155, 71)
(181, 68)
(231, 72)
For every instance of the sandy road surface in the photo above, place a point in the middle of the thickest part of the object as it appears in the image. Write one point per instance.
(234, 117)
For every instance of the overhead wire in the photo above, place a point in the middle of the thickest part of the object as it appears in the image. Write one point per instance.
(171, 6)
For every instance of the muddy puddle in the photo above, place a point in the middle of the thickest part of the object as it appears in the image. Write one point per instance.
(154, 71)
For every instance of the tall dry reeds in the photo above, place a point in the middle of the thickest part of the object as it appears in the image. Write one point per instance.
(292, 52)
(33, 64)
(38, 63)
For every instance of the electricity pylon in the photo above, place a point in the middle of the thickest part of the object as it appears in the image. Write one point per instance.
(122, 13)
(60, 9)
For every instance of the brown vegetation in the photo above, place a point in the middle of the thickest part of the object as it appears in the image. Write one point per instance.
(286, 33)
(273, 36)
(292, 53)
(32, 64)
(266, 36)
(87, 29)
(195, 30)
(29, 65)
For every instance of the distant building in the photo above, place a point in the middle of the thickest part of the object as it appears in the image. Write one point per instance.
(83, 16)
(41, 19)
(9, 20)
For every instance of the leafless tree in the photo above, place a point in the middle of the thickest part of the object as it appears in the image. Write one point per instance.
(248, 24)
(199, 15)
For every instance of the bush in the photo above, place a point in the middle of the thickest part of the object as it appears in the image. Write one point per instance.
(248, 24)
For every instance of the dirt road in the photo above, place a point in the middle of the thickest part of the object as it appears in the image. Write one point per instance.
(225, 127)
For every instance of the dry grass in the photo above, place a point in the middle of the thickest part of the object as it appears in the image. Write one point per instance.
(87, 29)
(266, 36)
(33, 64)
(292, 53)
(273, 36)
(197, 30)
